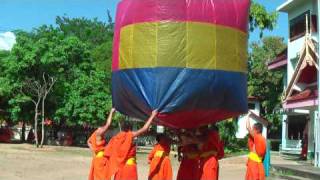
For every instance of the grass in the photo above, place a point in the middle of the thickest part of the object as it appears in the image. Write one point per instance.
(287, 173)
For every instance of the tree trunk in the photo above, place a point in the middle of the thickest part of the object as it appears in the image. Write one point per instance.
(42, 121)
(36, 124)
(23, 132)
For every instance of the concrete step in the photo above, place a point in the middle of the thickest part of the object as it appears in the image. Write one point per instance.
(286, 177)
(296, 171)
(290, 154)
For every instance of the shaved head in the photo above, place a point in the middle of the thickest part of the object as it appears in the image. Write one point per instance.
(258, 127)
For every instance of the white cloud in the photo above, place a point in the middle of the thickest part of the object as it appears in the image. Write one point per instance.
(7, 40)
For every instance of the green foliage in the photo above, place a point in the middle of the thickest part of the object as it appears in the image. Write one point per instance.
(102, 55)
(260, 18)
(73, 53)
(227, 131)
(93, 32)
(3, 55)
(3, 87)
(86, 99)
(265, 84)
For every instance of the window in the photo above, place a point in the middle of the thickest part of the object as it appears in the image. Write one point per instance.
(294, 62)
(296, 125)
(251, 106)
(298, 26)
(314, 25)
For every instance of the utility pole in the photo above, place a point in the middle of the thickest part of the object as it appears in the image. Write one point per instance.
(317, 119)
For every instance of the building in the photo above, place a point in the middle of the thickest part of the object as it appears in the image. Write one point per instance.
(299, 63)
(254, 108)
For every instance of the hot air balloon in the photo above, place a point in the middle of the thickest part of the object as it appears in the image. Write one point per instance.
(186, 58)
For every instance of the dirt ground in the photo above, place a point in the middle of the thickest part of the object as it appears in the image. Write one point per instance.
(25, 162)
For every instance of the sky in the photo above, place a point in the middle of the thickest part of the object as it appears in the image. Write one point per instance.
(29, 14)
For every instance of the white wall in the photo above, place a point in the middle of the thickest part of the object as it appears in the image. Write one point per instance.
(311, 132)
(284, 134)
(294, 47)
(242, 130)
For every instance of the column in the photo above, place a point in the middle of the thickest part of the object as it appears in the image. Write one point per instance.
(317, 140)
(311, 135)
(317, 120)
(284, 131)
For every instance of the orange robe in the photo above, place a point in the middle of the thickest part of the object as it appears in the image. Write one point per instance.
(211, 152)
(129, 170)
(304, 150)
(119, 151)
(189, 166)
(160, 165)
(99, 162)
(257, 147)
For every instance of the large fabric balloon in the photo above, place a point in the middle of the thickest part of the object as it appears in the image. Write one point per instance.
(186, 58)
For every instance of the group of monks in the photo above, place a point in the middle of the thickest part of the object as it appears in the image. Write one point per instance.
(199, 151)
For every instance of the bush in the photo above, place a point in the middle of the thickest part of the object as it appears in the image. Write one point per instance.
(274, 144)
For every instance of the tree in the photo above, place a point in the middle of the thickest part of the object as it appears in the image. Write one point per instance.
(47, 85)
(262, 83)
(32, 91)
(36, 91)
(227, 131)
(93, 32)
(86, 100)
(3, 54)
(3, 103)
(37, 57)
(98, 35)
(260, 18)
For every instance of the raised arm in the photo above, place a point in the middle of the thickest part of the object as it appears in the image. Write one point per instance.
(90, 147)
(89, 144)
(146, 125)
(249, 128)
(104, 128)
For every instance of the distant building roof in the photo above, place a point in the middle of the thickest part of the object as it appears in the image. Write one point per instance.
(280, 61)
(306, 69)
(253, 98)
(262, 120)
(306, 94)
(290, 4)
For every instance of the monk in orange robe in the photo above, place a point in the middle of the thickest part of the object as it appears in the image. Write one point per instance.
(212, 151)
(304, 150)
(121, 151)
(257, 148)
(189, 166)
(96, 143)
(160, 165)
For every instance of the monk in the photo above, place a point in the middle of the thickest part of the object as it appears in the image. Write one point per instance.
(96, 143)
(121, 151)
(189, 166)
(188, 154)
(304, 149)
(160, 165)
(257, 148)
(212, 150)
